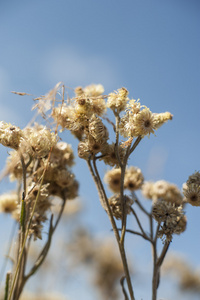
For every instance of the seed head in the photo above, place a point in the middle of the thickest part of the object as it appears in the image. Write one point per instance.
(113, 178)
(116, 206)
(10, 136)
(117, 101)
(133, 178)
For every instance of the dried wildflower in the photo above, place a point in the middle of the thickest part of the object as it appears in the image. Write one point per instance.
(109, 154)
(170, 217)
(192, 194)
(162, 118)
(83, 106)
(97, 129)
(194, 179)
(116, 207)
(98, 106)
(113, 179)
(191, 189)
(144, 123)
(147, 189)
(8, 202)
(36, 226)
(167, 191)
(42, 192)
(40, 139)
(83, 150)
(93, 90)
(10, 136)
(133, 178)
(117, 101)
(134, 107)
(63, 153)
(126, 128)
(14, 166)
(95, 146)
(64, 115)
(91, 100)
(162, 190)
(64, 178)
(78, 91)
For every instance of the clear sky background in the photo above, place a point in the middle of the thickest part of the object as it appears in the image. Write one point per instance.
(150, 47)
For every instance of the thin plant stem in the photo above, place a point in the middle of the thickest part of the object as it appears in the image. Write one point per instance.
(103, 193)
(139, 224)
(139, 204)
(110, 215)
(117, 120)
(155, 277)
(123, 204)
(139, 138)
(138, 233)
(8, 276)
(26, 234)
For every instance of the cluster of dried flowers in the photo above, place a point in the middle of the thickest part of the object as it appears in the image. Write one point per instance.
(42, 165)
(36, 150)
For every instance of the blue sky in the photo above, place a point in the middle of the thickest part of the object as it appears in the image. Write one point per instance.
(150, 47)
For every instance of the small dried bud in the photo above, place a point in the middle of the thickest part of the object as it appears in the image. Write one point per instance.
(78, 91)
(97, 129)
(116, 206)
(117, 101)
(83, 150)
(162, 118)
(113, 179)
(171, 217)
(192, 194)
(144, 123)
(10, 136)
(162, 190)
(64, 178)
(94, 90)
(133, 178)
(40, 139)
(109, 155)
(191, 189)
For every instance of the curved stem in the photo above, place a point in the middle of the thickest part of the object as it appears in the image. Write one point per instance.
(139, 138)
(139, 224)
